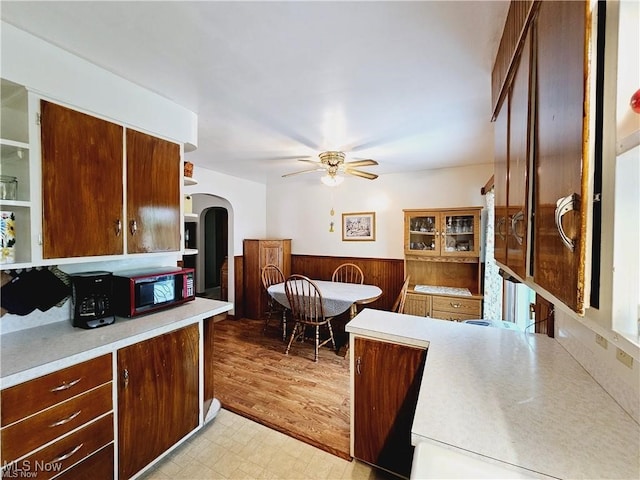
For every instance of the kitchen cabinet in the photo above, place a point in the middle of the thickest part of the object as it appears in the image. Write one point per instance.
(257, 254)
(82, 194)
(562, 150)
(153, 194)
(82, 187)
(15, 166)
(58, 420)
(385, 379)
(543, 150)
(158, 396)
(512, 147)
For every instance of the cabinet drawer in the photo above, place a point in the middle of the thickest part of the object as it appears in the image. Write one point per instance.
(67, 451)
(457, 317)
(21, 437)
(464, 306)
(30, 397)
(98, 466)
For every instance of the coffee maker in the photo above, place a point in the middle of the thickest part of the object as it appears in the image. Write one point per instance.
(92, 299)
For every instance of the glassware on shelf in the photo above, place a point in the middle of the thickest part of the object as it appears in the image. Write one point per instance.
(8, 187)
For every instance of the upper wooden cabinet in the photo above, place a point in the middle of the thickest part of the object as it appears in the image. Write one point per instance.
(82, 158)
(82, 187)
(257, 254)
(449, 233)
(512, 148)
(153, 194)
(543, 150)
(561, 150)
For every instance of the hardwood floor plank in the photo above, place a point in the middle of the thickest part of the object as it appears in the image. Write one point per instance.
(289, 393)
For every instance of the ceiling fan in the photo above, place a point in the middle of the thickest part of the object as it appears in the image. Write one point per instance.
(333, 163)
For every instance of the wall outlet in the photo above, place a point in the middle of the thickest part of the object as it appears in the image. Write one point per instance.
(600, 340)
(624, 357)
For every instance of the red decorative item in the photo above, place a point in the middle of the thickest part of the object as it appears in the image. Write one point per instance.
(635, 101)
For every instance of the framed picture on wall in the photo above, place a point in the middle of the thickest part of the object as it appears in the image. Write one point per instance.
(359, 226)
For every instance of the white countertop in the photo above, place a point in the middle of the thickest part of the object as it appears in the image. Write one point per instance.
(37, 351)
(511, 397)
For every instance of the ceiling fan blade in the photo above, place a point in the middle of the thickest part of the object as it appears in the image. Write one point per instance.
(308, 160)
(360, 173)
(361, 163)
(303, 171)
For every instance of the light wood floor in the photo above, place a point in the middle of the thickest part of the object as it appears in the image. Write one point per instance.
(289, 393)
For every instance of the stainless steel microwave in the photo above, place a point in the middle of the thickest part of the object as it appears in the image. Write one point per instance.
(137, 292)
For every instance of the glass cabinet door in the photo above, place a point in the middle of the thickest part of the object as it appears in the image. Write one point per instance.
(424, 234)
(459, 232)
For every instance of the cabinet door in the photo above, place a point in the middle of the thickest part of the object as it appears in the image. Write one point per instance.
(461, 234)
(417, 304)
(153, 194)
(559, 150)
(422, 233)
(519, 147)
(501, 154)
(81, 184)
(386, 382)
(157, 396)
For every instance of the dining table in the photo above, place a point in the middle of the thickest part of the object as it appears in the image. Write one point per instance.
(337, 297)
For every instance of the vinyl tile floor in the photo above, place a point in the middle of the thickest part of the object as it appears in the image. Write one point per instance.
(233, 447)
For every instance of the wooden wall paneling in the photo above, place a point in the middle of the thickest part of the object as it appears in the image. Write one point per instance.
(388, 274)
(238, 287)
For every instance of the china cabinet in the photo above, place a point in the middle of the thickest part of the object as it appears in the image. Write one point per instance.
(257, 254)
(442, 233)
(385, 379)
(442, 259)
(158, 396)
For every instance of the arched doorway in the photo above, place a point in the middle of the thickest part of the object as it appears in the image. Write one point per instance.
(215, 229)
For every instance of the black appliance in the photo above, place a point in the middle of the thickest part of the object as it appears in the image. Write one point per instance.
(92, 299)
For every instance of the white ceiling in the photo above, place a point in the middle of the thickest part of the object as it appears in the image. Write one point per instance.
(405, 83)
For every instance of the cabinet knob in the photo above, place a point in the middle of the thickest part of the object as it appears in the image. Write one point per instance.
(125, 378)
(133, 227)
(358, 365)
(118, 227)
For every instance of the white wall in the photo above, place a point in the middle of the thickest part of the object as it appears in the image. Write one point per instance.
(66, 78)
(300, 208)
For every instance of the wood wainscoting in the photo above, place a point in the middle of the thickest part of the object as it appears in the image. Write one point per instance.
(388, 274)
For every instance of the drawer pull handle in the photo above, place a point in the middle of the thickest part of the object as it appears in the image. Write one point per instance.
(358, 366)
(455, 305)
(517, 218)
(125, 377)
(64, 456)
(66, 420)
(133, 227)
(118, 227)
(65, 385)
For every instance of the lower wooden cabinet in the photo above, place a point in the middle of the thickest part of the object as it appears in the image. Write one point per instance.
(157, 397)
(444, 307)
(386, 381)
(53, 422)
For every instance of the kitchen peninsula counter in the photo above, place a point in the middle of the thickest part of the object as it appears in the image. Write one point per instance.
(510, 398)
(30, 353)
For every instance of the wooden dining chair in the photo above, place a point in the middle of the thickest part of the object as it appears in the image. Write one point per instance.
(271, 275)
(348, 273)
(398, 305)
(307, 310)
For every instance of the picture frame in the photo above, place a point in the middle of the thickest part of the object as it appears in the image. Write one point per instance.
(359, 226)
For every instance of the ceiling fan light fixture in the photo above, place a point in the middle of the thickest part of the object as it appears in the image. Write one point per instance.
(332, 180)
